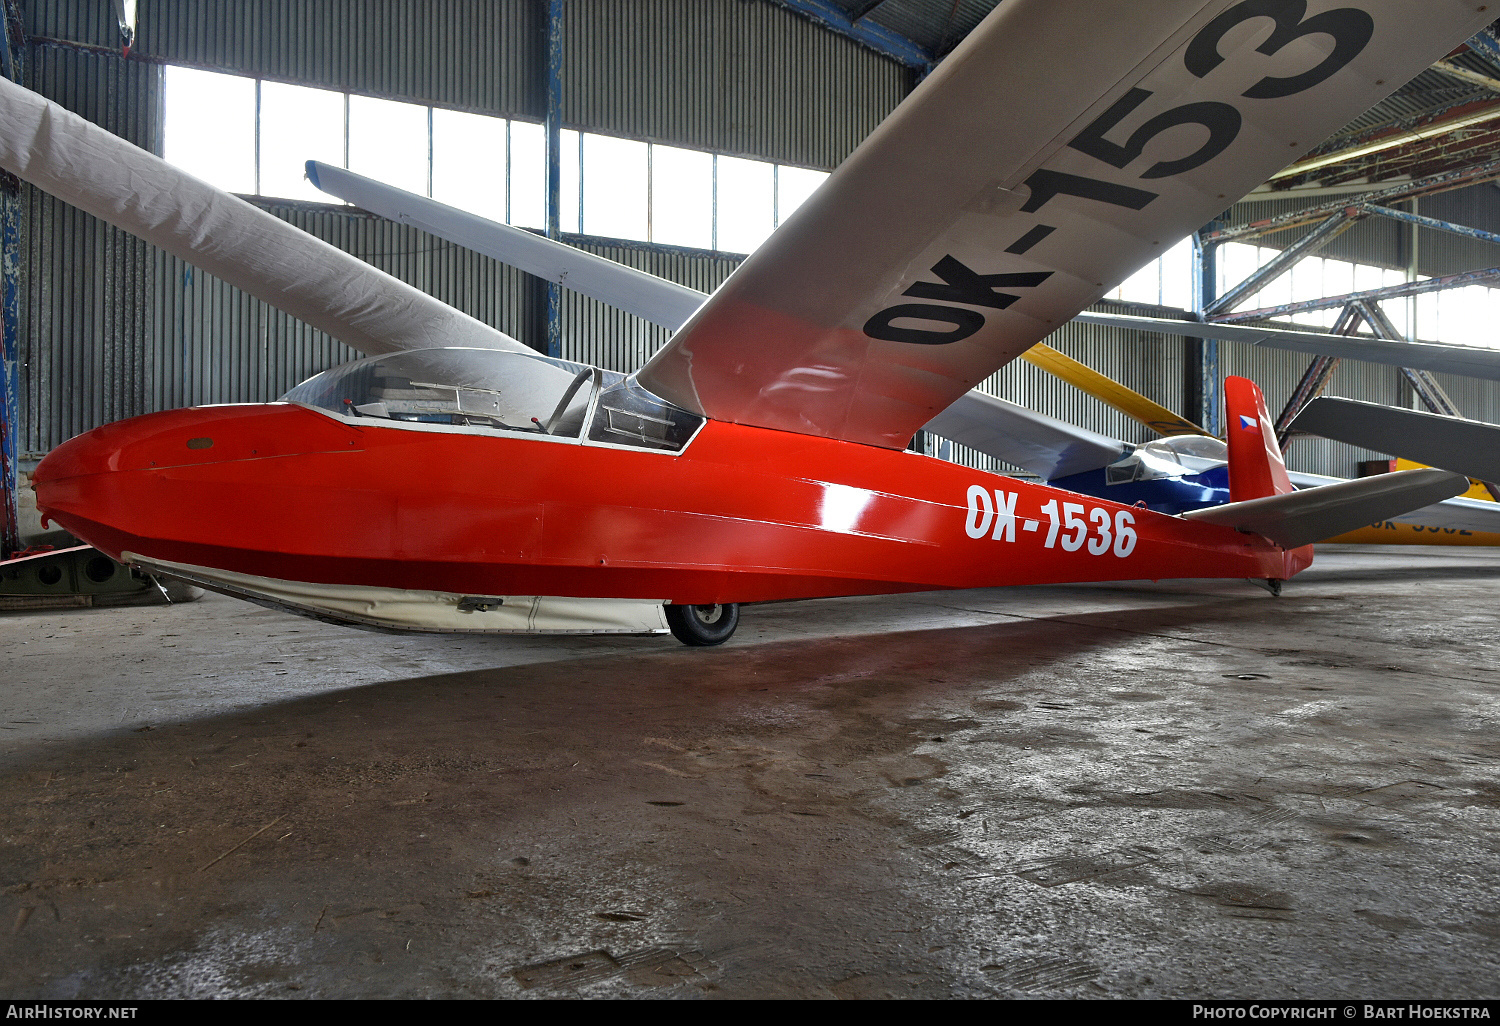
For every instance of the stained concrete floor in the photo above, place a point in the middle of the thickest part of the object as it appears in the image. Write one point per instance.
(1174, 790)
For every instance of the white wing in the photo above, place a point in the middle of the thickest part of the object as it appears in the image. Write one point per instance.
(1433, 356)
(656, 299)
(1043, 445)
(1057, 149)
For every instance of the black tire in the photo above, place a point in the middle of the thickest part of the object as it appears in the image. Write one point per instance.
(703, 625)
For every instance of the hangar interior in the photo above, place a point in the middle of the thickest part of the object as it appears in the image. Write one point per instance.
(1134, 789)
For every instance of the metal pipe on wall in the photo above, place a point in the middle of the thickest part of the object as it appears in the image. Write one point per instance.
(10, 292)
(1203, 353)
(554, 59)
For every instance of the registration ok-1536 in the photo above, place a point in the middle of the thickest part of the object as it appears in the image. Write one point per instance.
(1072, 525)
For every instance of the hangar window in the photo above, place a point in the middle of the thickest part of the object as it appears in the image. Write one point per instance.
(528, 175)
(1460, 316)
(254, 137)
(571, 165)
(309, 126)
(682, 197)
(208, 126)
(746, 199)
(793, 186)
(469, 163)
(388, 141)
(614, 187)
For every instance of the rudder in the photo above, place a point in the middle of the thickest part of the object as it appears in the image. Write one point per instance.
(1256, 466)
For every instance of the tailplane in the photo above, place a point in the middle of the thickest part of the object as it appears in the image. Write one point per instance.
(1264, 502)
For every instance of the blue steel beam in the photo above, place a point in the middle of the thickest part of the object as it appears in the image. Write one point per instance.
(1283, 261)
(10, 219)
(1411, 288)
(554, 164)
(1485, 43)
(1203, 353)
(867, 33)
(1430, 222)
(10, 270)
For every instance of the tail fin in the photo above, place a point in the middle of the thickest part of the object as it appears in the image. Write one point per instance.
(1256, 468)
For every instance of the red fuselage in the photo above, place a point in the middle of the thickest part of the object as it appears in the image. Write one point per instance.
(743, 514)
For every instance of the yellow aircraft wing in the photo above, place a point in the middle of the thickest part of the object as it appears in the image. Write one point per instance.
(1109, 391)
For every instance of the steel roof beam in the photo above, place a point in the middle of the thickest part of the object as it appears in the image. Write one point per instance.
(1283, 261)
(1315, 379)
(1472, 77)
(1431, 222)
(1481, 114)
(1485, 44)
(1441, 182)
(1410, 288)
(867, 33)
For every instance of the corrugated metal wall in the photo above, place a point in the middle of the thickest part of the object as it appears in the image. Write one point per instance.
(87, 307)
(765, 82)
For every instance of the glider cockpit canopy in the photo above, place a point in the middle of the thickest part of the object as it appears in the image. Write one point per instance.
(499, 390)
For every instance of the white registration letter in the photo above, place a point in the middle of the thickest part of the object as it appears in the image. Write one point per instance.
(981, 512)
(1124, 534)
(1005, 515)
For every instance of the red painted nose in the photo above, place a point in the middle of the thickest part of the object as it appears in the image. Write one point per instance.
(122, 484)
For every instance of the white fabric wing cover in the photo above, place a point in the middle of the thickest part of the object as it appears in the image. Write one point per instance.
(82, 164)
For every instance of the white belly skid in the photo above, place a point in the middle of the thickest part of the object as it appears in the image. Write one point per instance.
(402, 609)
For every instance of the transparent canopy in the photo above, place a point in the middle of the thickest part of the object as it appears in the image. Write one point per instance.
(501, 391)
(1171, 457)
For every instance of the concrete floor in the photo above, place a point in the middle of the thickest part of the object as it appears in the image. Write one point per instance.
(1175, 790)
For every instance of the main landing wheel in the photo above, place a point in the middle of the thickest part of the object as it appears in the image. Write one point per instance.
(703, 625)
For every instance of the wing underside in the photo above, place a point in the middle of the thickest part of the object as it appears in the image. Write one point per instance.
(1466, 446)
(1057, 149)
(1035, 442)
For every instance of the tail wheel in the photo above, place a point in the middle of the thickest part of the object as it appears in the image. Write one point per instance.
(703, 625)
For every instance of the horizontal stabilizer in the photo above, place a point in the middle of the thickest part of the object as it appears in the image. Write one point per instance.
(1460, 514)
(1043, 445)
(656, 299)
(1433, 356)
(1300, 518)
(1466, 446)
(361, 306)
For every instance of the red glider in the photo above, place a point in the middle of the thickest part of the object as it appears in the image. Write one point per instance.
(759, 455)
